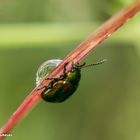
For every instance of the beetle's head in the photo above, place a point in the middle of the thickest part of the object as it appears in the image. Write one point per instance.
(78, 66)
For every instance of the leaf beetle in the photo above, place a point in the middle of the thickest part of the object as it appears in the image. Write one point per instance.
(63, 87)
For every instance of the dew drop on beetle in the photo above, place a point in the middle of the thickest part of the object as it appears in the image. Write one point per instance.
(45, 68)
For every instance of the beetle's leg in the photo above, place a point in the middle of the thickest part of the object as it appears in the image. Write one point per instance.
(64, 70)
(51, 84)
(55, 79)
(63, 76)
(51, 78)
(72, 66)
(45, 87)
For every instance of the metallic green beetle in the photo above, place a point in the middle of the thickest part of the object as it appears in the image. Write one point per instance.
(63, 87)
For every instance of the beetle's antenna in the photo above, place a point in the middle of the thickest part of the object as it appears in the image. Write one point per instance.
(98, 63)
(82, 65)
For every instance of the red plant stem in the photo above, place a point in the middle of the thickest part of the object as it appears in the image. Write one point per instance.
(75, 56)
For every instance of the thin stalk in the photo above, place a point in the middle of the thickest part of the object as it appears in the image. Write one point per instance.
(75, 56)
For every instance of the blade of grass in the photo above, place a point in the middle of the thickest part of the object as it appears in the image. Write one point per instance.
(17, 36)
(75, 56)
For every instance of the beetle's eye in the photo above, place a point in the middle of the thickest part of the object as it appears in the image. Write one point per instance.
(45, 69)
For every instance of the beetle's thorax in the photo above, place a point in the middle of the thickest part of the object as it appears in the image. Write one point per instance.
(74, 76)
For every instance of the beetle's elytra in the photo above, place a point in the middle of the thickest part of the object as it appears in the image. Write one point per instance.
(63, 87)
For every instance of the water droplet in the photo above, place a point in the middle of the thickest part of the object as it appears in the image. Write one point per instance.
(45, 68)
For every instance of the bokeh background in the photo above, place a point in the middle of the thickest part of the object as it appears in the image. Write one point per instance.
(106, 105)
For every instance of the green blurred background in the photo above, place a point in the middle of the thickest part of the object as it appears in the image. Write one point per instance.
(106, 104)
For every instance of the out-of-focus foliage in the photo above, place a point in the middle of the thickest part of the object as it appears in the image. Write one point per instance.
(106, 104)
(57, 11)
